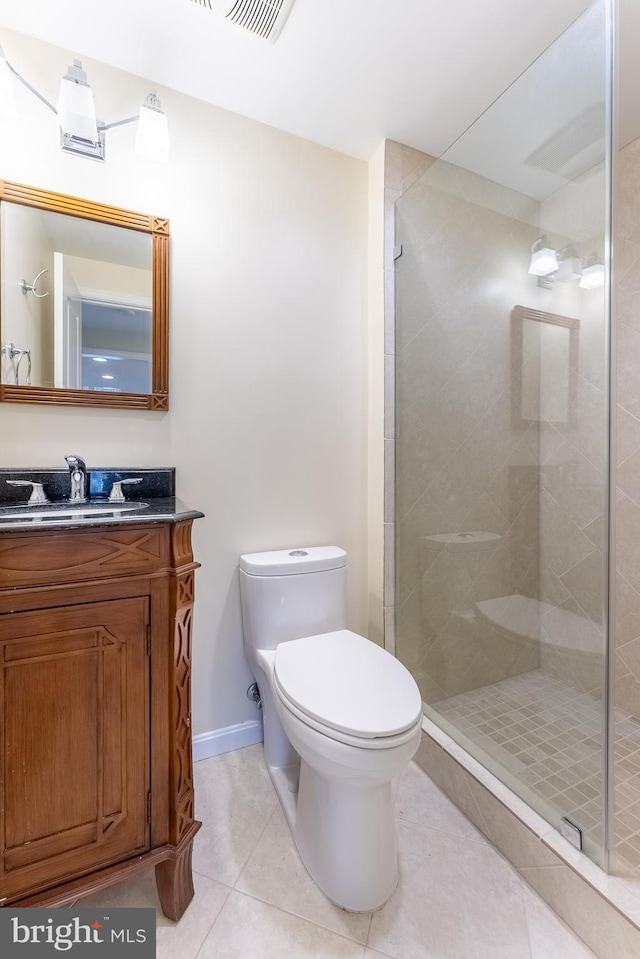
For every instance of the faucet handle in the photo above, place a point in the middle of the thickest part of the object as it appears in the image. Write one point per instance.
(116, 495)
(38, 495)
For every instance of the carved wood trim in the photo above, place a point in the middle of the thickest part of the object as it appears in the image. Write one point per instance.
(182, 756)
(159, 402)
(60, 397)
(158, 228)
(65, 894)
(185, 590)
(181, 769)
(174, 880)
(76, 206)
(160, 224)
(28, 560)
(181, 550)
(160, 367)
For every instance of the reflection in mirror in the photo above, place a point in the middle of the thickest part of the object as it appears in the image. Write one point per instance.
(84, 317)
(544, 365)
(88, 323)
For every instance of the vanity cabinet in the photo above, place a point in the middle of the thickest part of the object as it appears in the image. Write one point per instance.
(96, 778)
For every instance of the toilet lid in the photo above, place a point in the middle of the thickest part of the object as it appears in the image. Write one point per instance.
(347, 683)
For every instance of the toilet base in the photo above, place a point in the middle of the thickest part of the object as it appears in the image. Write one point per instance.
(351, 856)
(346, 835)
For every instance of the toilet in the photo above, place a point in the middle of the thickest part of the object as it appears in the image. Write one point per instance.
(342, 719)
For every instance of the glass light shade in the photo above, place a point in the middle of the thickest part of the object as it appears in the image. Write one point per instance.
(569, 269)
(592, 277)
(7, 96)
(152, 135)
(76, 110)
(543, 262)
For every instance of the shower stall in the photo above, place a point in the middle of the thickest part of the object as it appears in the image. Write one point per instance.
(516, 527)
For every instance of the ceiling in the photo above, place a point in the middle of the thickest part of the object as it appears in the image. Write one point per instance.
(344, 73)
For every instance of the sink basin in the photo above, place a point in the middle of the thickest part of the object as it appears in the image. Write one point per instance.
(53, 512)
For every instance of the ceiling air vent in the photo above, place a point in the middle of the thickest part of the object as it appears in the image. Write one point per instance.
(576, 148)
(264, 18)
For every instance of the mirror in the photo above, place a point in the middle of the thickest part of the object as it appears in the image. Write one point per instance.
(84, 302)
(544, 367)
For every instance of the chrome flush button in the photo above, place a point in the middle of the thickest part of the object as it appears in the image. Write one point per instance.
(298, 552)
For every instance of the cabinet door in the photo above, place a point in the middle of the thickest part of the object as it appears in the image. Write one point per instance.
(74, 715)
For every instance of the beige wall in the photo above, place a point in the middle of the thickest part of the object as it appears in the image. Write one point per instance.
(267, 425)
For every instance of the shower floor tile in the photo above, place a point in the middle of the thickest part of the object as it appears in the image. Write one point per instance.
(546, 734)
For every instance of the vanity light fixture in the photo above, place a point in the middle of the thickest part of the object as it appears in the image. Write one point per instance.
(565, 265)
(75, 108)
(152, 135)
(569, 264)
(592, 274)
(544, 259)
(81, 133)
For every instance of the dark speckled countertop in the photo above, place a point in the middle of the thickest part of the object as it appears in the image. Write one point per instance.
(151, 501)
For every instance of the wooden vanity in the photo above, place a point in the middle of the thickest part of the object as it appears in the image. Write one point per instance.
(96, 777)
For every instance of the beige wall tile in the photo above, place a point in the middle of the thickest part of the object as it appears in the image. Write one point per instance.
(448, 775)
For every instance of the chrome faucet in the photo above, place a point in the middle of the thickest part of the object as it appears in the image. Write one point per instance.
(78, 471)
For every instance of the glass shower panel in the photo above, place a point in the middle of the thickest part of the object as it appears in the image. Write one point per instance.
(502, 433)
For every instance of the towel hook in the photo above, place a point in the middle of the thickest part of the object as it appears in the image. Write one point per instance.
(31, 287)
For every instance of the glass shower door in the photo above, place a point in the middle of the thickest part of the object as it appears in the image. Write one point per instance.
(501, 405)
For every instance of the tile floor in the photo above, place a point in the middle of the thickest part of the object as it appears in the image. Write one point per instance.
(457, 898)
(548, 737)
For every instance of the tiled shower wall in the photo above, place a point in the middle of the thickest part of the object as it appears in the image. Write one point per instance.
(463, 460)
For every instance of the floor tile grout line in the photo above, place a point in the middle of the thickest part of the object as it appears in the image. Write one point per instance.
(295, 915)
(525, 911)
(217, 916)
(255, 845)
(447, 832)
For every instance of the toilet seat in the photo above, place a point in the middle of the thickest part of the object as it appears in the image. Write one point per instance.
(348, 688)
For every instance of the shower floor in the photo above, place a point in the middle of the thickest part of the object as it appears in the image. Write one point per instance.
(549, 736)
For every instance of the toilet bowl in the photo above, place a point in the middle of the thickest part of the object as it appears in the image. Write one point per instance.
(342, 718)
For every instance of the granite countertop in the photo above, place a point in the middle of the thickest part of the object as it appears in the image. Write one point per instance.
(151, 501)
(95, 513)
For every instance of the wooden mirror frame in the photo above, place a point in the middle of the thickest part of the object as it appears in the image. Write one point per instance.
(518, 317)
(158, 227)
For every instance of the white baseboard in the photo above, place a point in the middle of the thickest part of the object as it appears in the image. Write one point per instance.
(218, 741)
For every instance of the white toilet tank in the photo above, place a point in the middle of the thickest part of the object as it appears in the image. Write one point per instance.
(291, 593)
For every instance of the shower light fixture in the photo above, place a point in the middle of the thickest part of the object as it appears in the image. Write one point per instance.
(81, 132)
(544, 259)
